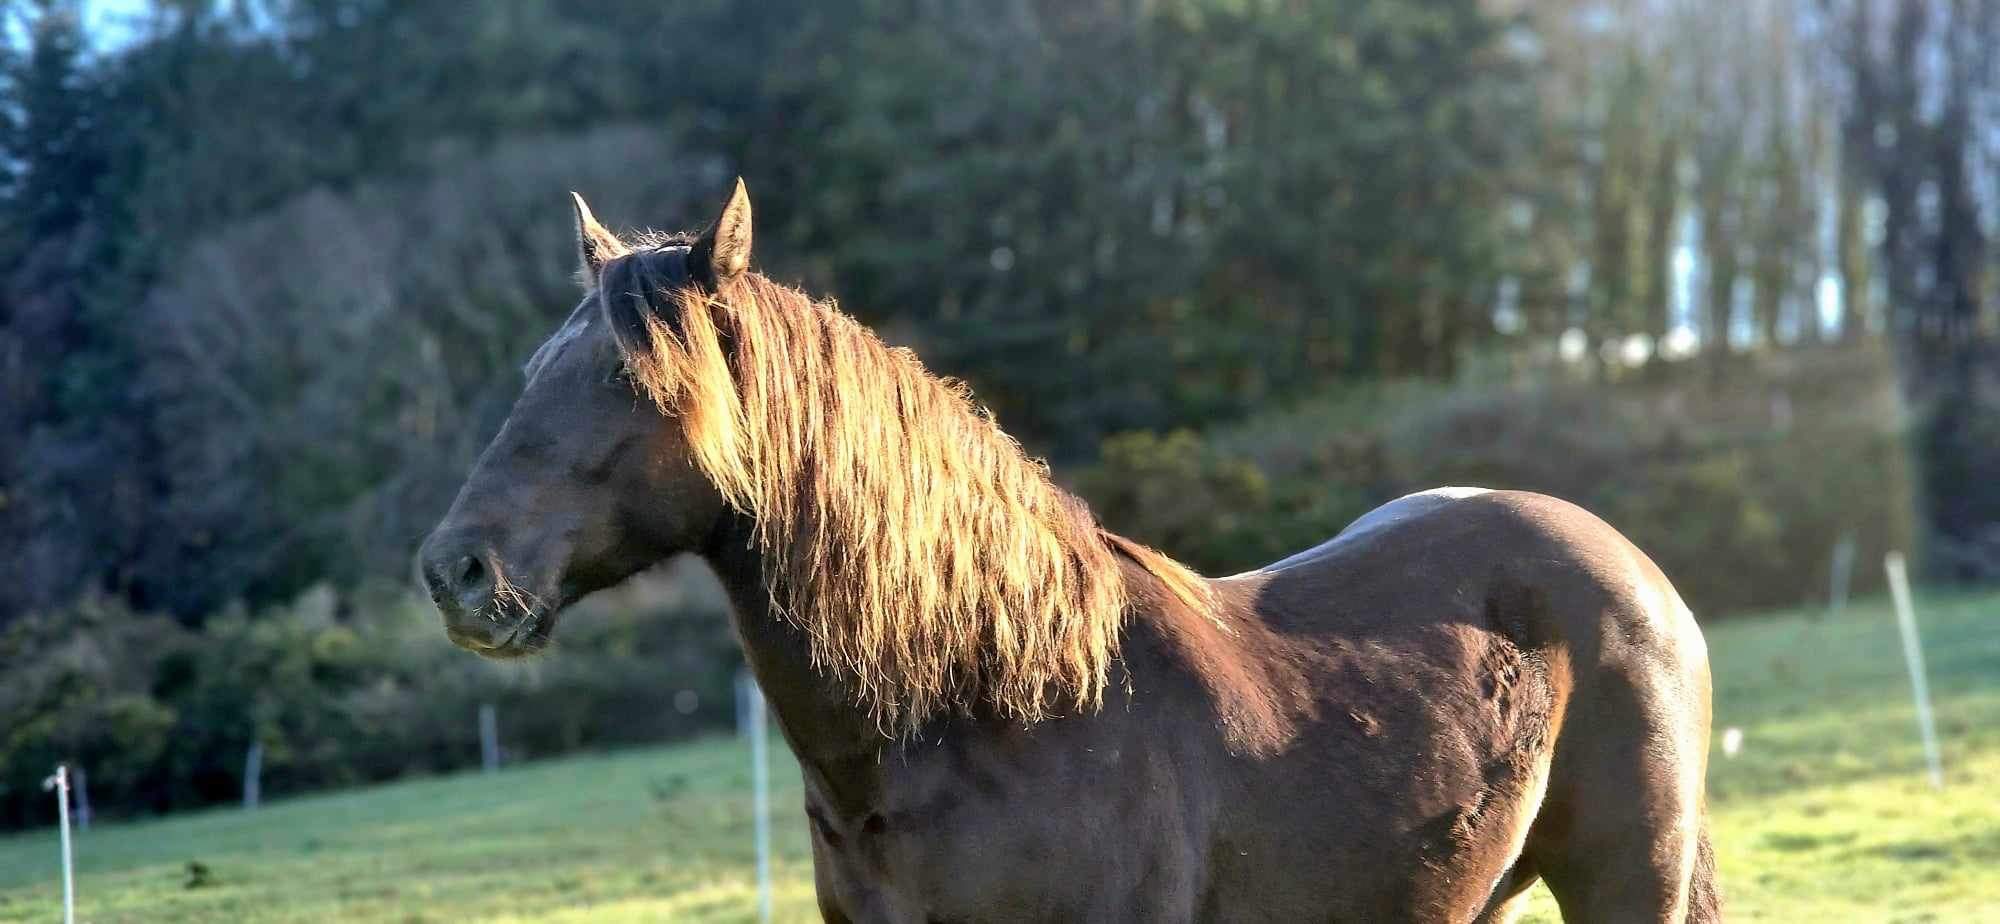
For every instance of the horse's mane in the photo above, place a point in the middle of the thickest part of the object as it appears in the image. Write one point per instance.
(929, 561)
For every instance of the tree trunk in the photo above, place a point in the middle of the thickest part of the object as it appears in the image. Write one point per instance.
(1852, 255)
(1663, 207)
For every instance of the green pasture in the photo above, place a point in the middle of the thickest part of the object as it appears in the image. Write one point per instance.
(1824, 815)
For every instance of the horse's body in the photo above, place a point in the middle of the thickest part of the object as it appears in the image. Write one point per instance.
(1410, 722)
(1464, 691)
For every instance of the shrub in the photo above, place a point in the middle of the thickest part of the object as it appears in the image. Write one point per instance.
(1738, 488)
(1216, 511)
(338, 689)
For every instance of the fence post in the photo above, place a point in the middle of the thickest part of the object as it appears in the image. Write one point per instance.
(1913, 659)
(489, 738)
(253, 775)
(60, 783)
(760, 784)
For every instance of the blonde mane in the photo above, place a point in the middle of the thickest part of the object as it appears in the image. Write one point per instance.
(928, 560)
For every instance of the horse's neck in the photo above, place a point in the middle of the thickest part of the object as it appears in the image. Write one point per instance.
(819, 718)
(840, 748)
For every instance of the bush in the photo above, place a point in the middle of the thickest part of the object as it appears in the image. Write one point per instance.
(1739, 491)
(339, 690)
(1216, 511)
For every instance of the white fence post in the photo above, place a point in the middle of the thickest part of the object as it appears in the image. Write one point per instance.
(253, 775)
(60, 783)
(1913, 659)
(751, 718)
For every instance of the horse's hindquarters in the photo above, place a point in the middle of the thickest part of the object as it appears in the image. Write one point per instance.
(1504, 688)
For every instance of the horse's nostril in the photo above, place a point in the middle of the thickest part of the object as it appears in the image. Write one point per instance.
(468, 572)
(459, 582)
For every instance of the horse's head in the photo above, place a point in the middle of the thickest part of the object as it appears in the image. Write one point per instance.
(589, 481)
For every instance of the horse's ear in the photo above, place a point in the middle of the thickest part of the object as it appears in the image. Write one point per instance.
(595, 245)
(722, 253)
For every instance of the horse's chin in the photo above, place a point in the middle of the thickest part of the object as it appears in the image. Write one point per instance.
(533, 635)
(514, 651)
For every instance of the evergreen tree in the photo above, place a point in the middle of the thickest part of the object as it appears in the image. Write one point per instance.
(10, 127)
(55, 142)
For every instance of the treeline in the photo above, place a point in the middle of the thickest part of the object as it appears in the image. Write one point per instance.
(269, 265)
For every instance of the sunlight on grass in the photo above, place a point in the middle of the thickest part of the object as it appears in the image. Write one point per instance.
(1824, 816)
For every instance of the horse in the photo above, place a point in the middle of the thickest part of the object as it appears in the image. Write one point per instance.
(1003, 711)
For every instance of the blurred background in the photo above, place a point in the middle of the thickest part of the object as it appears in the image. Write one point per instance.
(1722, 271)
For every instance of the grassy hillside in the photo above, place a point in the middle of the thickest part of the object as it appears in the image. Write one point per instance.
(1823, 816)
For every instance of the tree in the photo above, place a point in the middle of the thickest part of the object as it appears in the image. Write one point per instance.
(1116, 215)
(10, 139)
(55, 140)
(1913, 127)
(75, 479)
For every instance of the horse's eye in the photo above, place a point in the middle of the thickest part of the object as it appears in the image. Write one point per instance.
(619, 372)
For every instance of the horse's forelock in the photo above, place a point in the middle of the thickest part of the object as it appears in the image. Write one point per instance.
(636, 291)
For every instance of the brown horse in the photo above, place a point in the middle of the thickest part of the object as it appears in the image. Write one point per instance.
(1004, 712)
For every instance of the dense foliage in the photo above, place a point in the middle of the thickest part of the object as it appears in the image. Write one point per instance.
(339, 689)
(1739, 493)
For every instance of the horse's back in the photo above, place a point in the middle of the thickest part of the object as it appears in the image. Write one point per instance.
(1394, 512)
(1469, 542)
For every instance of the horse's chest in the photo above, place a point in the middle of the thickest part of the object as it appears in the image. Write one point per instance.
(962, 838)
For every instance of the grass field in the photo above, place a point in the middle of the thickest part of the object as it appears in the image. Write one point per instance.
(1825, 816)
